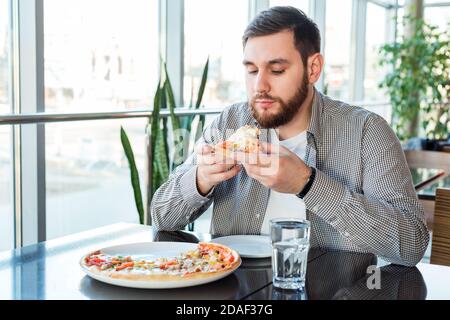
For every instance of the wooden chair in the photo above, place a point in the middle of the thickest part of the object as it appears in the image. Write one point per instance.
(432, 160)
(440, 247)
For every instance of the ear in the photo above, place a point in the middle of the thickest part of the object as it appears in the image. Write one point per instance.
(315, 65)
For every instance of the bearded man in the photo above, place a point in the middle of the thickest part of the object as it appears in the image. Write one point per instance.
(339, 166)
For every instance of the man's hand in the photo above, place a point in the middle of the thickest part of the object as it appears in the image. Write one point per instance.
(211, 170)
(279, 169)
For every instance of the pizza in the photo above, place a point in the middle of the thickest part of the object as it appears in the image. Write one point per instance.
(207, 259)
(245, 139)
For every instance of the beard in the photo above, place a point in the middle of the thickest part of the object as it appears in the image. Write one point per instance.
(287, 109)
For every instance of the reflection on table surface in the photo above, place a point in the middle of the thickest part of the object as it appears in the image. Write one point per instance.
(50, 270)
(422, 176)
(429, 191)
(349, 276)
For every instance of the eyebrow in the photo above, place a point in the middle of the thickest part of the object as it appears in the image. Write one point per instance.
(271, 62)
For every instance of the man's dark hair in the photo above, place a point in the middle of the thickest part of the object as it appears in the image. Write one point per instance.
(277, 19)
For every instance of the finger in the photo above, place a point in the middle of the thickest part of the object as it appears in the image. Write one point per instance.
(265, 160)
(259, 170)
(276, 148)
(253, 172)
(219, 167)
(204, 149)
(219, 177)
(208, 159)
(222, 156)
(245, 157)
(268, 147)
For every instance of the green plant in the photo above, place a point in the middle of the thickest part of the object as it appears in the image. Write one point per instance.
(157, 128)
(133, 173)
(418, 80)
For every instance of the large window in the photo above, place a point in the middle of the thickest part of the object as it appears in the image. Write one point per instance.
(6, 190)
(100, 55)
(88, 181)
(376, 36)
(337, 49)
(439, 16)
(6, 185)
(435, 15)
(5, 49)
(214, 28)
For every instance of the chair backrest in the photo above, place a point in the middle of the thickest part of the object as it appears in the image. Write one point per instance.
(440, 246)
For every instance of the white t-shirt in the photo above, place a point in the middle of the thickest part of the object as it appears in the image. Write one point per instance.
(285, 205)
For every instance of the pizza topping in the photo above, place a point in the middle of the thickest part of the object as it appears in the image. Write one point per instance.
(245, 139)
(205, 258)
(125, 265)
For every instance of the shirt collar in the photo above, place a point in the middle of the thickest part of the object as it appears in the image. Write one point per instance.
(316, 115)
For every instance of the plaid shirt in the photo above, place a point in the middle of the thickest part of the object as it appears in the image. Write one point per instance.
(362, 199)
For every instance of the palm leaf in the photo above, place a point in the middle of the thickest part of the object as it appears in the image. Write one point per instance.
(134, 174)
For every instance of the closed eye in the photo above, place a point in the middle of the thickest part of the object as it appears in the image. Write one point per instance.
(277, 71)
(252, 71)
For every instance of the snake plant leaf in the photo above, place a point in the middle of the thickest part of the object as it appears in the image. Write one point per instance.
(200, 126)
(171, 101)
(134, 174)
(161, 156)
(155, 117)
(164, 138)
(202, 85)
(187, 122)
(177, 138)
(155, 177)
(160, 163)
(201, 90)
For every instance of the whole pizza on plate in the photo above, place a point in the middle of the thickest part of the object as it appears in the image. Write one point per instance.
(203, 261)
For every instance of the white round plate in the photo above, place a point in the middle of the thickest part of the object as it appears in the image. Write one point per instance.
(151, 251)
(248, 246)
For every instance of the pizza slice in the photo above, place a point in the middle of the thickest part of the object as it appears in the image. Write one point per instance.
(245, 139)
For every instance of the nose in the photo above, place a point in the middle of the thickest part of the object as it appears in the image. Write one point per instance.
(261, 83)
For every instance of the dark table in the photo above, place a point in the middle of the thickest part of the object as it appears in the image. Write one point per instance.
(50, 270)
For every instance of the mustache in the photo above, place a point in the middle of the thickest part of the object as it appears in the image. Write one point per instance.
(264, 96)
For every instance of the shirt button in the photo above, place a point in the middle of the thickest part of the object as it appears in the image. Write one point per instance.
(315, 209)
(258, 215)
(346, 234)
